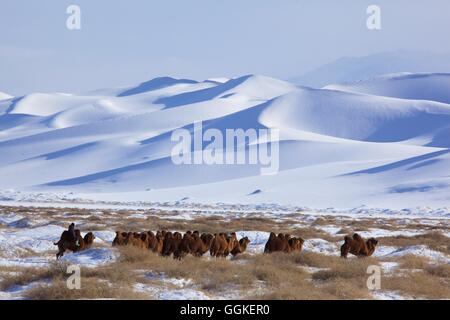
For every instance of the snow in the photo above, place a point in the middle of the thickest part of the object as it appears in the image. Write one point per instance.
(24, 245)
(314, 269)
(38, 239)
(104, 236)
(16, 292)
(21, 234)
(21, 223)
(5, 96)
(185, 294)
(190, 210)
(329, 229)
(379, 233)
(258, 240)
(9, 218)
(380, 141)
(179, 282)
(321, 246)
(184, 288)
(34, 261)
(350, 69)
(92, 257)
(422, 251)
(388, 295)
(374, 232)
(384, 251)
(171, 294)
(388, 266)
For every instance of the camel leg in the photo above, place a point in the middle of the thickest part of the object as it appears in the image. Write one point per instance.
(59, 254)
(344, 251)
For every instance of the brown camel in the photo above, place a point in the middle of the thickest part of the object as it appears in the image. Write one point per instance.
(240, 246)
(357, 246)
(66, 243)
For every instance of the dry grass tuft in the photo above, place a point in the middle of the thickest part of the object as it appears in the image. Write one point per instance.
(419, 285)
(434, 240)
(345, 269)
(413, 262)
(209, 274)
(441, 271)
(90, 289)
(28, 275)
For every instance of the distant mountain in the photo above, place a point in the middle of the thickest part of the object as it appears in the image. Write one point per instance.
(352, 69)
(416, 86)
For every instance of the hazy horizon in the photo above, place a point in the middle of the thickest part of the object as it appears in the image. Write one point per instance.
(123, 43)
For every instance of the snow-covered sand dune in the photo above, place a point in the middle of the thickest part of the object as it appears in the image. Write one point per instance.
(382, 143)
(4, 96)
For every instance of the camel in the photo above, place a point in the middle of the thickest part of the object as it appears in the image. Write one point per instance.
(240, 247)
(194, 244)
(296, 244)
(119, 240)
(171, 243)
(357, 246)
(219, 245)
(66, 243)
(276, 243)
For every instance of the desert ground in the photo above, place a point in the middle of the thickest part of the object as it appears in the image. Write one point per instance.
(413, 253)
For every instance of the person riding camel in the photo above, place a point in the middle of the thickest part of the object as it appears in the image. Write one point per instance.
(72, 234)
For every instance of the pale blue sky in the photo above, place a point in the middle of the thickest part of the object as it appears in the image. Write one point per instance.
(127, 42)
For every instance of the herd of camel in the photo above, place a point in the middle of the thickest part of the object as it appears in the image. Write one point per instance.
(166, 243)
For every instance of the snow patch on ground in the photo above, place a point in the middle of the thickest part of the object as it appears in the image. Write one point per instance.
(314, 269)
(329, 229)
(104, 236)
(35, 261)
(17, 292)
(170, 294)
(373, 232)
(321, 246)
(183, 294)
(389, 267)
(179, 282)
(419, 250)
(257, 239)
(188, 210)
(38, 239)
(380, 233)
(8, 218)
(92, 257)
(388, 295)
(171, 288)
